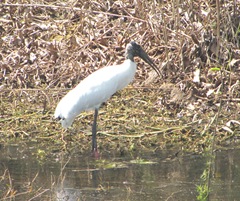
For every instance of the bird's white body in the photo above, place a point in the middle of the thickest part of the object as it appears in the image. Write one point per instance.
(94, 90)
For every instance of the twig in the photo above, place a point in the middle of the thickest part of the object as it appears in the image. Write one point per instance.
(74, 9)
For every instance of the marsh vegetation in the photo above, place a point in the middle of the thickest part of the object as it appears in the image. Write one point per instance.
(49, 47)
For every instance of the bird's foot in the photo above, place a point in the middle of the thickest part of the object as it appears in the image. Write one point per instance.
(95, 153)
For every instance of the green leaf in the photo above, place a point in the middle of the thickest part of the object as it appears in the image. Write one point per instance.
(215, 69)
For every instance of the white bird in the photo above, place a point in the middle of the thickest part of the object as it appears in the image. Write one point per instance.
(98, 87)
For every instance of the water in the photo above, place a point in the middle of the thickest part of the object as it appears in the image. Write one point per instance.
(27, 174)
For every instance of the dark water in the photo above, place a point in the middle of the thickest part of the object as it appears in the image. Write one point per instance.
(27, 174)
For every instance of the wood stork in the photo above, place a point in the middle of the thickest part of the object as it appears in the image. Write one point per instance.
(98, 87)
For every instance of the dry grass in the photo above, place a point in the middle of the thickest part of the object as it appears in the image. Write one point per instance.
(51, 46)
(47, 47)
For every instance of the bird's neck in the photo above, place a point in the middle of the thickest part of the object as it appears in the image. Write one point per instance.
(129, 56)
(129, 64)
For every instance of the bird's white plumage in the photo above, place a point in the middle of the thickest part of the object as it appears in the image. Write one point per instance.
(94, 90)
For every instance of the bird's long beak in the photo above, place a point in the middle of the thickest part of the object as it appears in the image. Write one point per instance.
(148, 60)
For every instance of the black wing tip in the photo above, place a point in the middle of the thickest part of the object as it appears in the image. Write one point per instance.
(58, 118)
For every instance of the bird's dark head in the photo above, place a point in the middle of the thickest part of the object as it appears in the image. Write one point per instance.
(133, 50)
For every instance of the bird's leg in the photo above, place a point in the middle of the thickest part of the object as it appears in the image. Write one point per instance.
(94, 137)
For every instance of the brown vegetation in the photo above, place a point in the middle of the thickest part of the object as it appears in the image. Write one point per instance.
(53, 45)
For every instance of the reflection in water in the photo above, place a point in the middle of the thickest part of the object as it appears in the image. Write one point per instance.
(81, 178)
